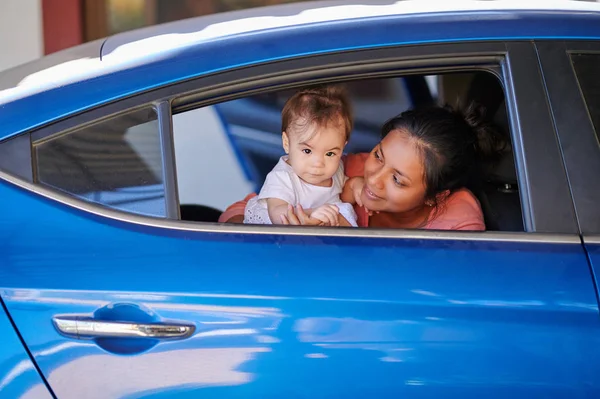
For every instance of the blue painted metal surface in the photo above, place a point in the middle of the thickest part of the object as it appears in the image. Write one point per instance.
(263, 46)
(292, 316)
(19, 378)
(593, 251)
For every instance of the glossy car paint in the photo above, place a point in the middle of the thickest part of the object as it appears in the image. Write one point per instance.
(593, 249)
(19, 379)
(295, 316)
(298, 316)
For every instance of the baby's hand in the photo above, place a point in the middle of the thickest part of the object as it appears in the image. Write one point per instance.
(327, 214)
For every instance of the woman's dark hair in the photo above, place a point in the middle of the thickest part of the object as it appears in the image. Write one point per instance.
(455, 146)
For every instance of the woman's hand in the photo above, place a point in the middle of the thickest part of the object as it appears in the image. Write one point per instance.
(300, 218)
(356, 186)
(353, 190)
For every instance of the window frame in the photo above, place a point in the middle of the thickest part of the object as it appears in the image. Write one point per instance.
(576, 133)
(527, 108)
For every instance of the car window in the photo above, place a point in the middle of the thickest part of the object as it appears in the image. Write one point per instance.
(209, 171)
(586, 68)
(116, 162)
(254, 123)
(224, 151)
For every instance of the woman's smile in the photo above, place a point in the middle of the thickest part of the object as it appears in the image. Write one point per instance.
(370, 194)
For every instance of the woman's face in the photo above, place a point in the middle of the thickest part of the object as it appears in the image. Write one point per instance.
(394, 176)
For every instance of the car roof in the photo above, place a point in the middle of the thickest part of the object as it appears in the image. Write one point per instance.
(142, 43)
(220, 25)
(278, 32)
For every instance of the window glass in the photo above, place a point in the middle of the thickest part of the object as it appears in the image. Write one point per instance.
(210, 171)
(586, 67)
(115, 163)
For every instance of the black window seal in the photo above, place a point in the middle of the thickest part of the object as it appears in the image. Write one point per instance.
(16, 156)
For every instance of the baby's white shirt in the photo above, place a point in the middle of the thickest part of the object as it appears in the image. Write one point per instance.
(282, 183)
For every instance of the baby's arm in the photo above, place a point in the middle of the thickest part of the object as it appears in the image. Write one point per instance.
(324, 215)
(276, 207)
(278, 192)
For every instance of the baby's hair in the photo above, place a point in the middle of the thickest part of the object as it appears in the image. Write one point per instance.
(321, 105)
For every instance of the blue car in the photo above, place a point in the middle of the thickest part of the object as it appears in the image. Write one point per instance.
(118, 156)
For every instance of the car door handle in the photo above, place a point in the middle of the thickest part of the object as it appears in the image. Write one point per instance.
(82, 328)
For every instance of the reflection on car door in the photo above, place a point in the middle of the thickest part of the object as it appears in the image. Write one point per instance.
(19, 377)
(354, 316)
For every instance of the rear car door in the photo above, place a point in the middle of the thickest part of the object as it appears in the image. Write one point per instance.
(571, 74)
(116, 297)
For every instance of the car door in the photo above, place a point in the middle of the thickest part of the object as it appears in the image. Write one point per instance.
(124, 300)
(571, 74)
(19, 377)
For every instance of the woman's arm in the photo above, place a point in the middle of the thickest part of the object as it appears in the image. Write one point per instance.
(235, 212)
(343, 222)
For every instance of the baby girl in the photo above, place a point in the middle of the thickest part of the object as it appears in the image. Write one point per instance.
(316, 125)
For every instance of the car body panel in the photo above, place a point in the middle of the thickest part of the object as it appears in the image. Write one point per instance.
(575, 130)
(19, 378)
(270, 315)
(592, 245)
(292, 312)
(578, 135)
(91, 82)
(221, 25)
(20, 75)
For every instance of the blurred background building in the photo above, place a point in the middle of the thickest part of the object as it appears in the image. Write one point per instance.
(30, 29)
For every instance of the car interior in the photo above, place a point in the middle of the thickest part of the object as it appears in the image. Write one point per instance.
(253, 126)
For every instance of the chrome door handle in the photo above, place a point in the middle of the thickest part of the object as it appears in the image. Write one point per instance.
(82, 328)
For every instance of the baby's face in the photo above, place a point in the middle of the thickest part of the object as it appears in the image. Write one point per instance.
(316, 159)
